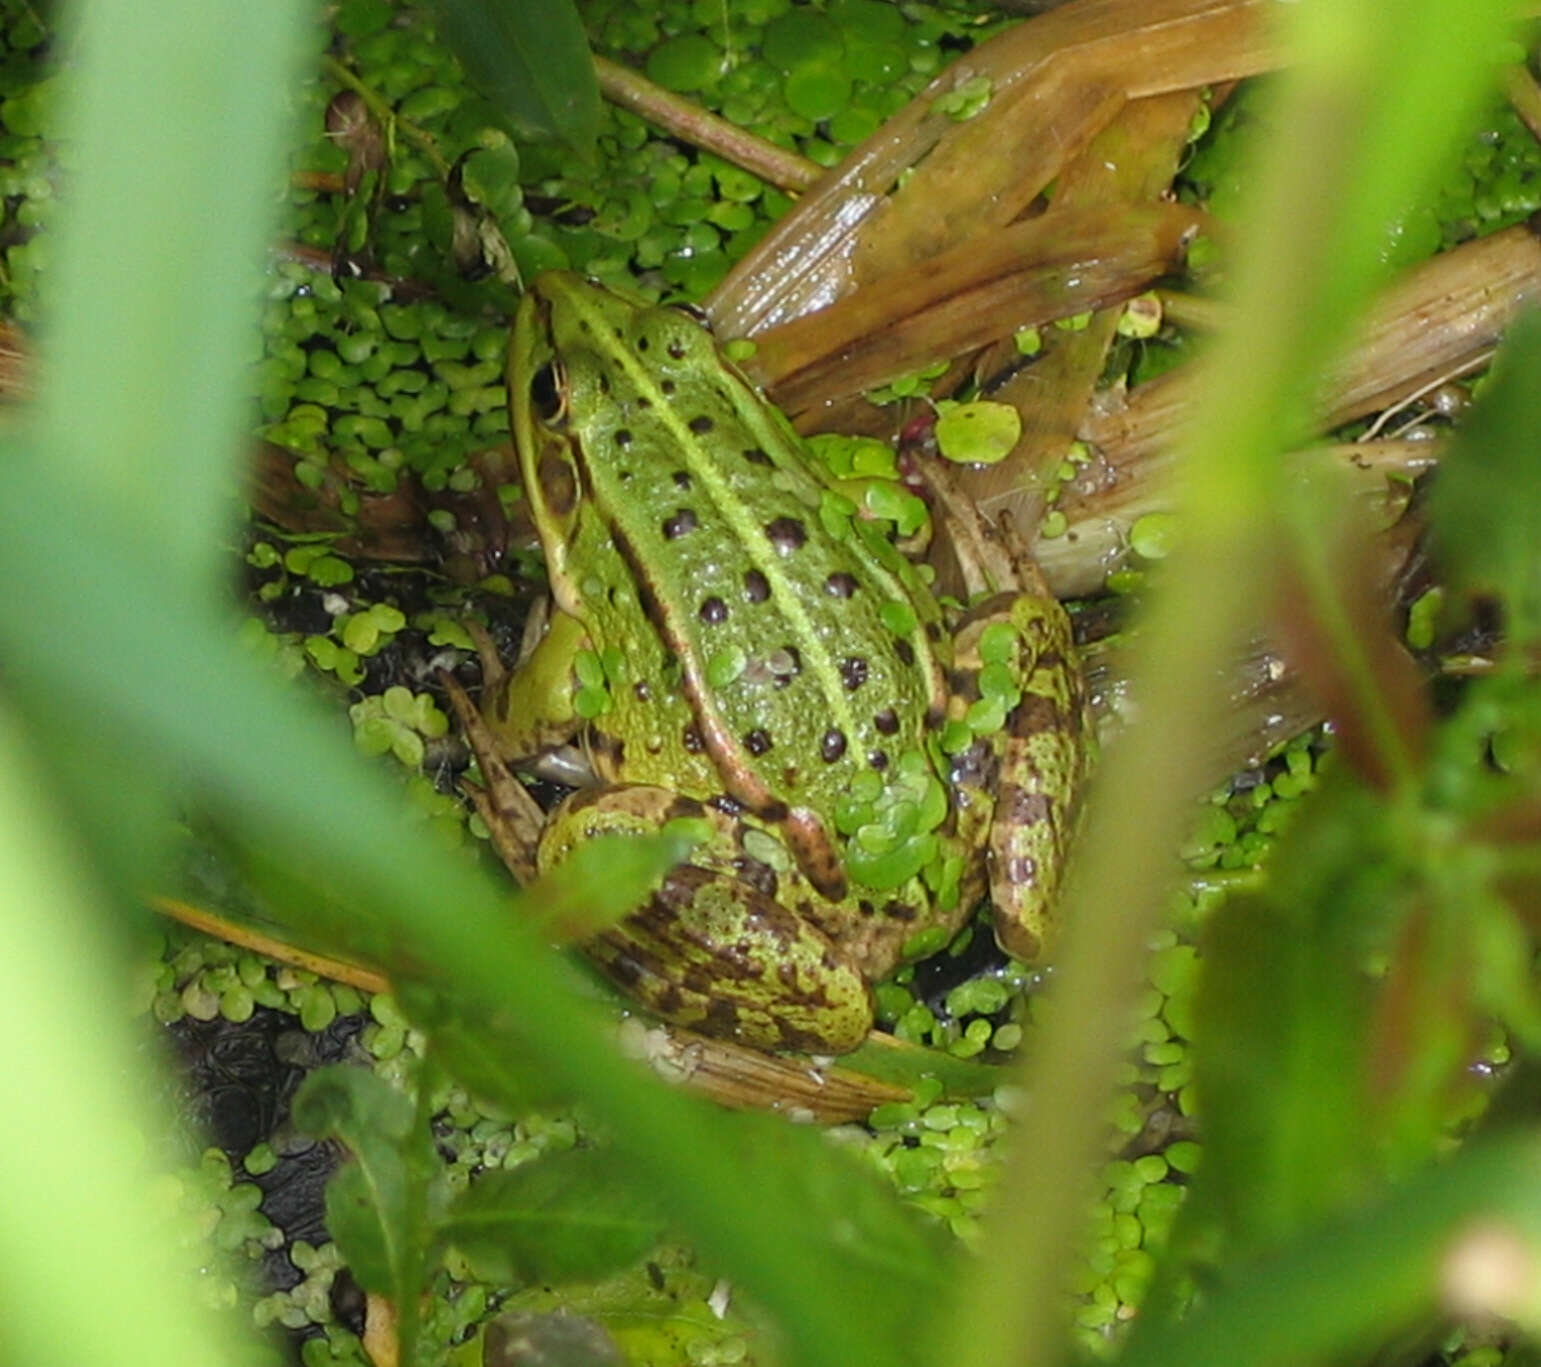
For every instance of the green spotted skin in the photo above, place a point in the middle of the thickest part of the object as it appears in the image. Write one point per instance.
(1045, 757)
(719, 947)
(752, 663)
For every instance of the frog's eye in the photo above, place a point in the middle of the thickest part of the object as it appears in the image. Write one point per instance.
(548, 395)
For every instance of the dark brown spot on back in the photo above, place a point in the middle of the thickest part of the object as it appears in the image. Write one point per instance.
(785, 665)
(683, 521)
(683, 808)
(787, 534)
(1021, 805)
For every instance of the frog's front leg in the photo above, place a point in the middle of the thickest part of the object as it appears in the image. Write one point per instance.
(512, 817)
(715, 948)
(529, 708)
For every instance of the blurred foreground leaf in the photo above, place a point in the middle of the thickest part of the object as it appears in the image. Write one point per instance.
(1486, 506)
(172, 117)
(76, 1209)
(1280, 1040)
(562, 1217)
(1367, 108)
(1341, 1285)
(1335, 626)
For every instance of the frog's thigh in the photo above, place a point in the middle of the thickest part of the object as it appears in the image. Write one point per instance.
(708, 950)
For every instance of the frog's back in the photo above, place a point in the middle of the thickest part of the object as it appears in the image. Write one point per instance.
(768, 670)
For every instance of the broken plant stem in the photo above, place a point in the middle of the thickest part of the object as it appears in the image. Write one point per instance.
(697, 126)
(247, 937)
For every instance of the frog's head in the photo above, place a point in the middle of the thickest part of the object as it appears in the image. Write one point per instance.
(583, 353)
(571, 333)
(575, 314)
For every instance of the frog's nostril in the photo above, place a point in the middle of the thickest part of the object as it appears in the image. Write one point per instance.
(547, 396)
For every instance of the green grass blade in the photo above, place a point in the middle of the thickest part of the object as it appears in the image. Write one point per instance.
(1361, 117)
(174, 122)
(1486, 508)
(531, 59)
(175, 140)
(76, 1208)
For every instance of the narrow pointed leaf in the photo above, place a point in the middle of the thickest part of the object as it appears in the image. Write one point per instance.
(368, 1202)
(531, 59)
(563, 1217)
(1280, 1043)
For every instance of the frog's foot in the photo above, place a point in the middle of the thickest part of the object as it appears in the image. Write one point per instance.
(512, 816)
(493, 672)
(983, 560)
(710, 949)
(1014, 647)
(1028, 576)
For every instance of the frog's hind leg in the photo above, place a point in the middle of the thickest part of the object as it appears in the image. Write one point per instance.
(1045, 759)
(1044, 748)
(710, 949)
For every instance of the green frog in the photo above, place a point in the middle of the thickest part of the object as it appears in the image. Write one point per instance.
(727, 646)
